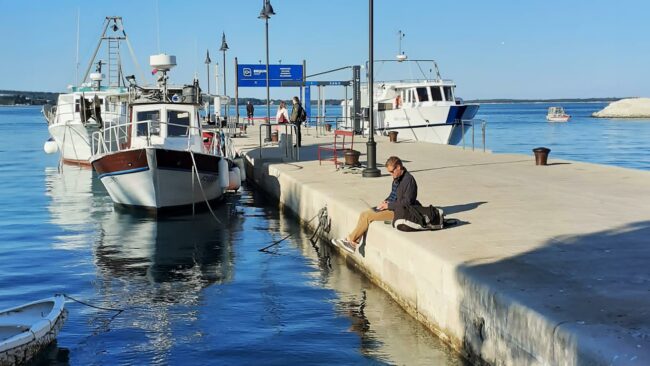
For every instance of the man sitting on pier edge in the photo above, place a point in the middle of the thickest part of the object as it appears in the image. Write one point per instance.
(404, 191)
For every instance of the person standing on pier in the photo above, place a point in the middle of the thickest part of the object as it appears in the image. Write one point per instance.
(298, 116)
(404, 191)
(250, 111)
(282, 115)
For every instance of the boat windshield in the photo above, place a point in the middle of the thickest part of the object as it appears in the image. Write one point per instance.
(448, 93)
(423, 94)
(178, 123)
(436, 95)
(143, 127)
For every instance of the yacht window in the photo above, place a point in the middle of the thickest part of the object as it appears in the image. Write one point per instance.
(436, 95)
(448, 94)
(423, 94)
(143, 125)
(178, 123)
(411, 97)
(76, 105)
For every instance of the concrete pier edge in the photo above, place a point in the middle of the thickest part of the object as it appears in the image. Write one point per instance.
(483, 320)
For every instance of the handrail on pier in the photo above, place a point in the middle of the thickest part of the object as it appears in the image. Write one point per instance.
(287, 148)
(473, 122)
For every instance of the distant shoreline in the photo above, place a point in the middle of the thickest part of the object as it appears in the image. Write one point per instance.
(541, 101)
(9, 97)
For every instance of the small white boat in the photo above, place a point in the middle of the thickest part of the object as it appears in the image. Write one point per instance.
(557, 114)
(27, 329)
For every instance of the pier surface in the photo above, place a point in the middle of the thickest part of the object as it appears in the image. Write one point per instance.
(548, 265)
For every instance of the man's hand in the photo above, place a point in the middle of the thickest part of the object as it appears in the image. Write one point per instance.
(382, 206)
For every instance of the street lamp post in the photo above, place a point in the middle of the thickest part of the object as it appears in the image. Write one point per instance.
(371, 147)
(207, 64)
(224, 48)
(267, 11)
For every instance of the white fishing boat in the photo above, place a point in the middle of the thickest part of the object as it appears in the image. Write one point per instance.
(424, 109)
(27, 329)
(163, 158)
(99, 101)
(557, 114)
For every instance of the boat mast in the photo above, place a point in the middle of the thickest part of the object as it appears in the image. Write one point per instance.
(113, 50)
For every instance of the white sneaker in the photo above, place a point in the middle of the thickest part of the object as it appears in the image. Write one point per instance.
(345, 244)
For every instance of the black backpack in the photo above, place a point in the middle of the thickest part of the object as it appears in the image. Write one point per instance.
(418, 218)
(302, 114)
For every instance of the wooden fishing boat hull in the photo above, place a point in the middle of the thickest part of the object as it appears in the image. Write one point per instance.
(156, 178)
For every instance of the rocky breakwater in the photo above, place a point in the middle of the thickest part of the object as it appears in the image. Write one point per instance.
(626, 108)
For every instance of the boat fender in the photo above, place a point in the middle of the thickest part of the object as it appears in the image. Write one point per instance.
(242, 168)
(224, 177)
(50, 147)
(235, 179)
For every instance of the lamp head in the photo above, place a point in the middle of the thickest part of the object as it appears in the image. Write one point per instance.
(267, 10)
(224, 45)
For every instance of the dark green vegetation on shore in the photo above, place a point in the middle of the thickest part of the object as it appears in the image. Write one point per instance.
(15, 97)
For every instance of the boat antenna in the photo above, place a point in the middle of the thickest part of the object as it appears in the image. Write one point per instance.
(76, 70)
(400, 55)
(157, 26)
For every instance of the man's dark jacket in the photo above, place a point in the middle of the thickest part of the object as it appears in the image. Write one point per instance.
(407, 191)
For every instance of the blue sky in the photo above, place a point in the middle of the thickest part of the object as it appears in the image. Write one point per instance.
(491, 49)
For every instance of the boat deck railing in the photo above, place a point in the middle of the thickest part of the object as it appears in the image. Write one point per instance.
(66, 112)
(119, 137)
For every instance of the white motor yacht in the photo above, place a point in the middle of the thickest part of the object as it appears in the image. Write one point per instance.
(422, 110)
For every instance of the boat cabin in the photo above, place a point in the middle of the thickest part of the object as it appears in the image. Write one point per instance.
(170, 125)
(395, 96)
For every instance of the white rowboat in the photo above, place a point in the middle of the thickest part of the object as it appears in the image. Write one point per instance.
(27, 329)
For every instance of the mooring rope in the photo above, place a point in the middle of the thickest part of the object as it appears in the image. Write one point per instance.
(321, 213)
(92, 306)
(198, 178)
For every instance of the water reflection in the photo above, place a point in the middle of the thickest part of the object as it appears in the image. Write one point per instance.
(76, 199)
(192, 249)
(386, 332)
(175, 279)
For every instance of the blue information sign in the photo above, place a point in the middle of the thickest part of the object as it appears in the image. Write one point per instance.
(254, 75)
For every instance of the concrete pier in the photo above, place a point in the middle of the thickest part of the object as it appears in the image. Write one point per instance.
(550, 265)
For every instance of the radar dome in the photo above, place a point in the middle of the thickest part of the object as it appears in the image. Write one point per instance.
(162, 62)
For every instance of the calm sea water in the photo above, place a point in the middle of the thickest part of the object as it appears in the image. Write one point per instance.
(518, 128)
(194, 291)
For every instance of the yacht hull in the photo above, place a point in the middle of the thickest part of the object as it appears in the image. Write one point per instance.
(433, 124)
(159, 179)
